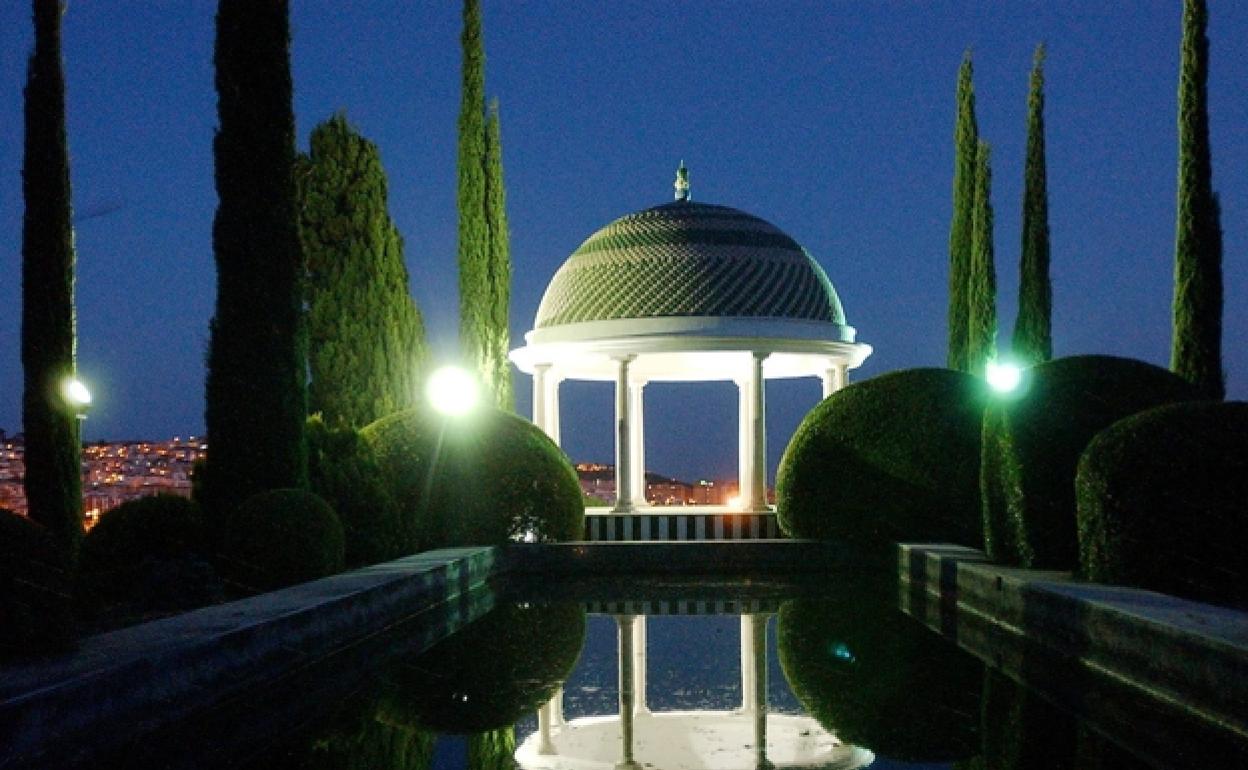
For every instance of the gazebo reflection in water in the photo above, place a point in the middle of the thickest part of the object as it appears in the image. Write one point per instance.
(746, 738)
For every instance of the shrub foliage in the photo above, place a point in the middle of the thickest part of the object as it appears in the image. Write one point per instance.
(36, 611)
(887, 459)
(1163, 502)
(487, 479)
(1032, 444)
(282, 537)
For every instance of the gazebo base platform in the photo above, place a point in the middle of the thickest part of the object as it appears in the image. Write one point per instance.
(680, 523)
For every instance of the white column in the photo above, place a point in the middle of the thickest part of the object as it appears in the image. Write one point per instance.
(758, 635)
(757, 501)
(745, 449)
(540, 400)
(835, 377)
(553, 380)
(545, 745)
(623, 432)
(748, 672)
(637, 442)
(625, 636)
(639, 665)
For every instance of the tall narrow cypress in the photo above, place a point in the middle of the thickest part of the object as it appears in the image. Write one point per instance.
(1033, 339)
(499, 265)
(256, 400)
(53, 464)
(965, 136)
(474, 229)
(367, 339)
(982, 317)
(1196, 352)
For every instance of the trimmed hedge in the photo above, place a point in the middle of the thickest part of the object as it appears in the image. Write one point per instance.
(1032, 444)
(489, 675)
(887, 459)
(36, 607)
(862, 668)
(343, 469)
(150, 554)
(282, 537)
(1163, 502)
(496, 478)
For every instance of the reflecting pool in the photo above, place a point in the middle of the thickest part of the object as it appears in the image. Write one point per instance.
(594, 675)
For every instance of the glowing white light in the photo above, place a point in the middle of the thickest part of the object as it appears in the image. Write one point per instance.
(453, 391)
(1003, 377)
(736, 503)
(76, 393)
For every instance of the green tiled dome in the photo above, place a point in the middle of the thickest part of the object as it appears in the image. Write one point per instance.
(689, 259)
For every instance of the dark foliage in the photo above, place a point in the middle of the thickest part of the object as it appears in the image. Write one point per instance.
(488, 479)
(858, 666)
(1033, 340)
(489, 675)
(150, 556)
(1032, 444)
(892, 458)
(367, 340)
(279, 538)
(1196, 354)
(36, 606)
(981, 333)
(344, 470)
(256, 397)
(497, 341)
(1163, 502)
(53, 475)
(965, 143)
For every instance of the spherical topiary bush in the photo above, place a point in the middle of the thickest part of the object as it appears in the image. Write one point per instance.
(483, 479)
(1163, 502)
(281, 537)
(490, 674)
(36, 611)
(150, 553)
(887, 459)
(1032, 444)
(861, 668)
(343, 469)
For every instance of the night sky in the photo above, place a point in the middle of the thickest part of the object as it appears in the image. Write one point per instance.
(833, 120)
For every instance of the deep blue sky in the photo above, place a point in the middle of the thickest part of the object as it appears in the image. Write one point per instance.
(831, 119)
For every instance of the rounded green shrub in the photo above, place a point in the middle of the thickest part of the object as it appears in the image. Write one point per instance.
(1032, 444)
(150, 553)
(343, 469)
(281, 537)
(36, 608)
(887, 459)
(485, 479)
(861, 668)
(1163, 502)
(490, 674)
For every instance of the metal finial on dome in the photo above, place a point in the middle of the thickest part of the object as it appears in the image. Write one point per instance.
(682, 183)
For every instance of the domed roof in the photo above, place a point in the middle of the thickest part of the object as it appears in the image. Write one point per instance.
(692, 260)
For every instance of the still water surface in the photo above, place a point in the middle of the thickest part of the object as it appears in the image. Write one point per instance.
(737, 674)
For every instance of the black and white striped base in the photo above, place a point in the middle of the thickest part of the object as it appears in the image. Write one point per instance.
(684, 607)
(680, 525)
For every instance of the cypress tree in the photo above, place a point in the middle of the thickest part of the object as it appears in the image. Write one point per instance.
(53, 466)
(1196, 352)
(474, 229)
(965, 136)
(1033, 341)
(367, 340)
(982, 294)
(256, 400)
(499, 266)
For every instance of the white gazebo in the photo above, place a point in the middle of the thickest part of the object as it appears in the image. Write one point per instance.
(686, 292)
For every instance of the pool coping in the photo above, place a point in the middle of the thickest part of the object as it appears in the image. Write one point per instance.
(1188, 659)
